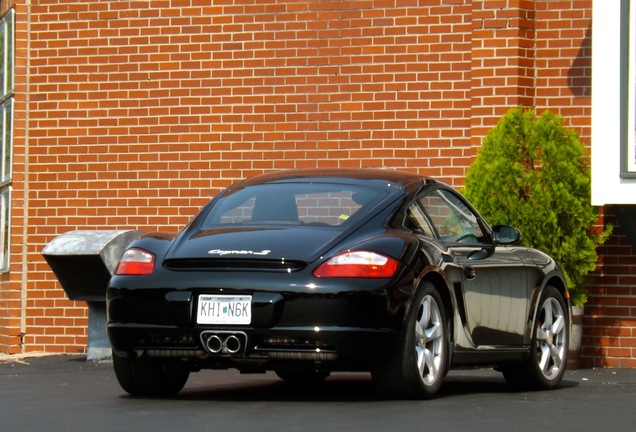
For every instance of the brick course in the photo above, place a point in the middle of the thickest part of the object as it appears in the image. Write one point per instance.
(610, 315)
(139, 112)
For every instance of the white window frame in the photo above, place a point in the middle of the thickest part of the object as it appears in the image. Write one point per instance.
(7, 30)
(5, 223)
(7, 61)
(612, 183)
(628, 80)
(6, 155)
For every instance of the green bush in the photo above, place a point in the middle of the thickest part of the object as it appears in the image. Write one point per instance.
(533, 173)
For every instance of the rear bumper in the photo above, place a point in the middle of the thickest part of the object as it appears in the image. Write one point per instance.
(334, 348)
(348, 323)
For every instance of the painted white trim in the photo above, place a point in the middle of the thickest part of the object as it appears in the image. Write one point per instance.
(607, 185)
(631, 95)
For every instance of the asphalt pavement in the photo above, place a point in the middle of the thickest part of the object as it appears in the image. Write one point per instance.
(68, 393)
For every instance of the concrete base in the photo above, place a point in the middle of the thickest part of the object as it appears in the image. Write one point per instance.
(98, 343)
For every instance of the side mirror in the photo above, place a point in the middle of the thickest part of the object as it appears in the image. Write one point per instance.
(506, 235)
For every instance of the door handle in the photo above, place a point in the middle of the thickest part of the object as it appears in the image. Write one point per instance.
(470, 273)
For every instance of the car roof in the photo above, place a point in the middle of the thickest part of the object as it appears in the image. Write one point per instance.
(399, 179)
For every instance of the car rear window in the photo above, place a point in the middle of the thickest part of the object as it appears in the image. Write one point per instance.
(310, 204)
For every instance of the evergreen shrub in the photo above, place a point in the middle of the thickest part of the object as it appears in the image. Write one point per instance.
(534, 174)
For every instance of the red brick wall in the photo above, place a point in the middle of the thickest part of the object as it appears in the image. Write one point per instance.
(563, 66)
(609, 337)
(503, 60)
(11, 282)
(140, 111)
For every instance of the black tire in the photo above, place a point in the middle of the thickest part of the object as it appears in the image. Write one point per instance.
(417, 368)
(145, 376)
(547, 360)
(302, 376)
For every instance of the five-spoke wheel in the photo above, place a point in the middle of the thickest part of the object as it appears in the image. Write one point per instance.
(551, 347)
(547, 360)
(429, 340)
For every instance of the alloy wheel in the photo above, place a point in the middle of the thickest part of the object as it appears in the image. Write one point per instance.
(551, 338)
(429, 340)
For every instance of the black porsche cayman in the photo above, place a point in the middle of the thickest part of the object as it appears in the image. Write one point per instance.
(308, 272)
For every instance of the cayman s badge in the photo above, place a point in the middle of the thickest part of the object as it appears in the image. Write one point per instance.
(222, 252)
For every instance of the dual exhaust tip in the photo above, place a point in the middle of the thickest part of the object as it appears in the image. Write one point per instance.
(224, 342)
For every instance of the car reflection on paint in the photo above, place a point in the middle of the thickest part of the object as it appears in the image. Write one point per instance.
(308, 272)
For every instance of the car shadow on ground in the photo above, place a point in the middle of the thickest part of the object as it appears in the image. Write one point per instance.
(338, 387)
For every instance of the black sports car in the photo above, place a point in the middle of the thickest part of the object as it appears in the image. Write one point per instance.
(307, 272)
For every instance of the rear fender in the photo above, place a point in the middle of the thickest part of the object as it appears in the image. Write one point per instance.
(156, 243)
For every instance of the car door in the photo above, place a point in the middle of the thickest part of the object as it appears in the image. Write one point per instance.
(494, 285)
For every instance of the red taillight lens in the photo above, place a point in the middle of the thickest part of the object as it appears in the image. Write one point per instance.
(358, 264)
(136, 262)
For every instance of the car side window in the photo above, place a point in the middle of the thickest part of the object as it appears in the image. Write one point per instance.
(417, 221)
(453, 221)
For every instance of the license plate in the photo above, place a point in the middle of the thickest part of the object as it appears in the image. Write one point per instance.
(216, 309)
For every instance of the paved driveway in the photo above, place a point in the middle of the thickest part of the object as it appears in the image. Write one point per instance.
(66, 393)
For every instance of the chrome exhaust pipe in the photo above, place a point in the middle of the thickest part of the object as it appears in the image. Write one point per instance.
(224, 342)
(232, 344)
(214, 344)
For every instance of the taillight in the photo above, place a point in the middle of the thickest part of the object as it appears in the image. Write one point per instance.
(136, 262)
(358, 264)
